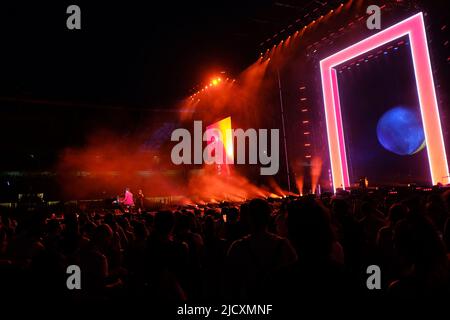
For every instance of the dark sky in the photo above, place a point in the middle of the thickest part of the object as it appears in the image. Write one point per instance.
(58, 86)
(134, 53)
(130, 55)
(140, 53)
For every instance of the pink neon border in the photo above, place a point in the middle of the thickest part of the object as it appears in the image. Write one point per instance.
(413, 27)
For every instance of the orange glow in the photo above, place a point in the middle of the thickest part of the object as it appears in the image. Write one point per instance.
(206, 186)
(316, 169)
(215, 81)
(299, 182)
(274, 185)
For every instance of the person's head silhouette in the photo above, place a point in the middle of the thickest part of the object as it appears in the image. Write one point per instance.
(259, 215)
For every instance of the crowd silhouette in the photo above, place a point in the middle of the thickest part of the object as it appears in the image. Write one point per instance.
(258, 250)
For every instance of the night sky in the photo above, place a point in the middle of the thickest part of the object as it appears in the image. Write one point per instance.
(143, 54)
(60, 86)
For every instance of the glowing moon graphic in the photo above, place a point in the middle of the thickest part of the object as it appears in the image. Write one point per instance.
(400, 130)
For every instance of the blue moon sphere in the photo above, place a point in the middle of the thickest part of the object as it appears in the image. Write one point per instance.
(400, 131)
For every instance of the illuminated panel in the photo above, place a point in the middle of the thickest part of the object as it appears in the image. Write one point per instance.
(224, 127)
(413, 27)
(226, 140)
(340, 130)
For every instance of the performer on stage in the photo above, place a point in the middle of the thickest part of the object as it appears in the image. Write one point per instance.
(128, 199)
(140, 201)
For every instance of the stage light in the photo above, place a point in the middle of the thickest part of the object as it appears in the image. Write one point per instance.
(414, 28)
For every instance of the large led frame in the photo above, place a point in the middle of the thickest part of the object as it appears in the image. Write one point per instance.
(413, 27)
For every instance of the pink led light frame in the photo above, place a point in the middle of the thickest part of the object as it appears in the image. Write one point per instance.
(413, 27)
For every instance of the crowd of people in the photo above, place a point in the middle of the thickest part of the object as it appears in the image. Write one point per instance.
(258, 250)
